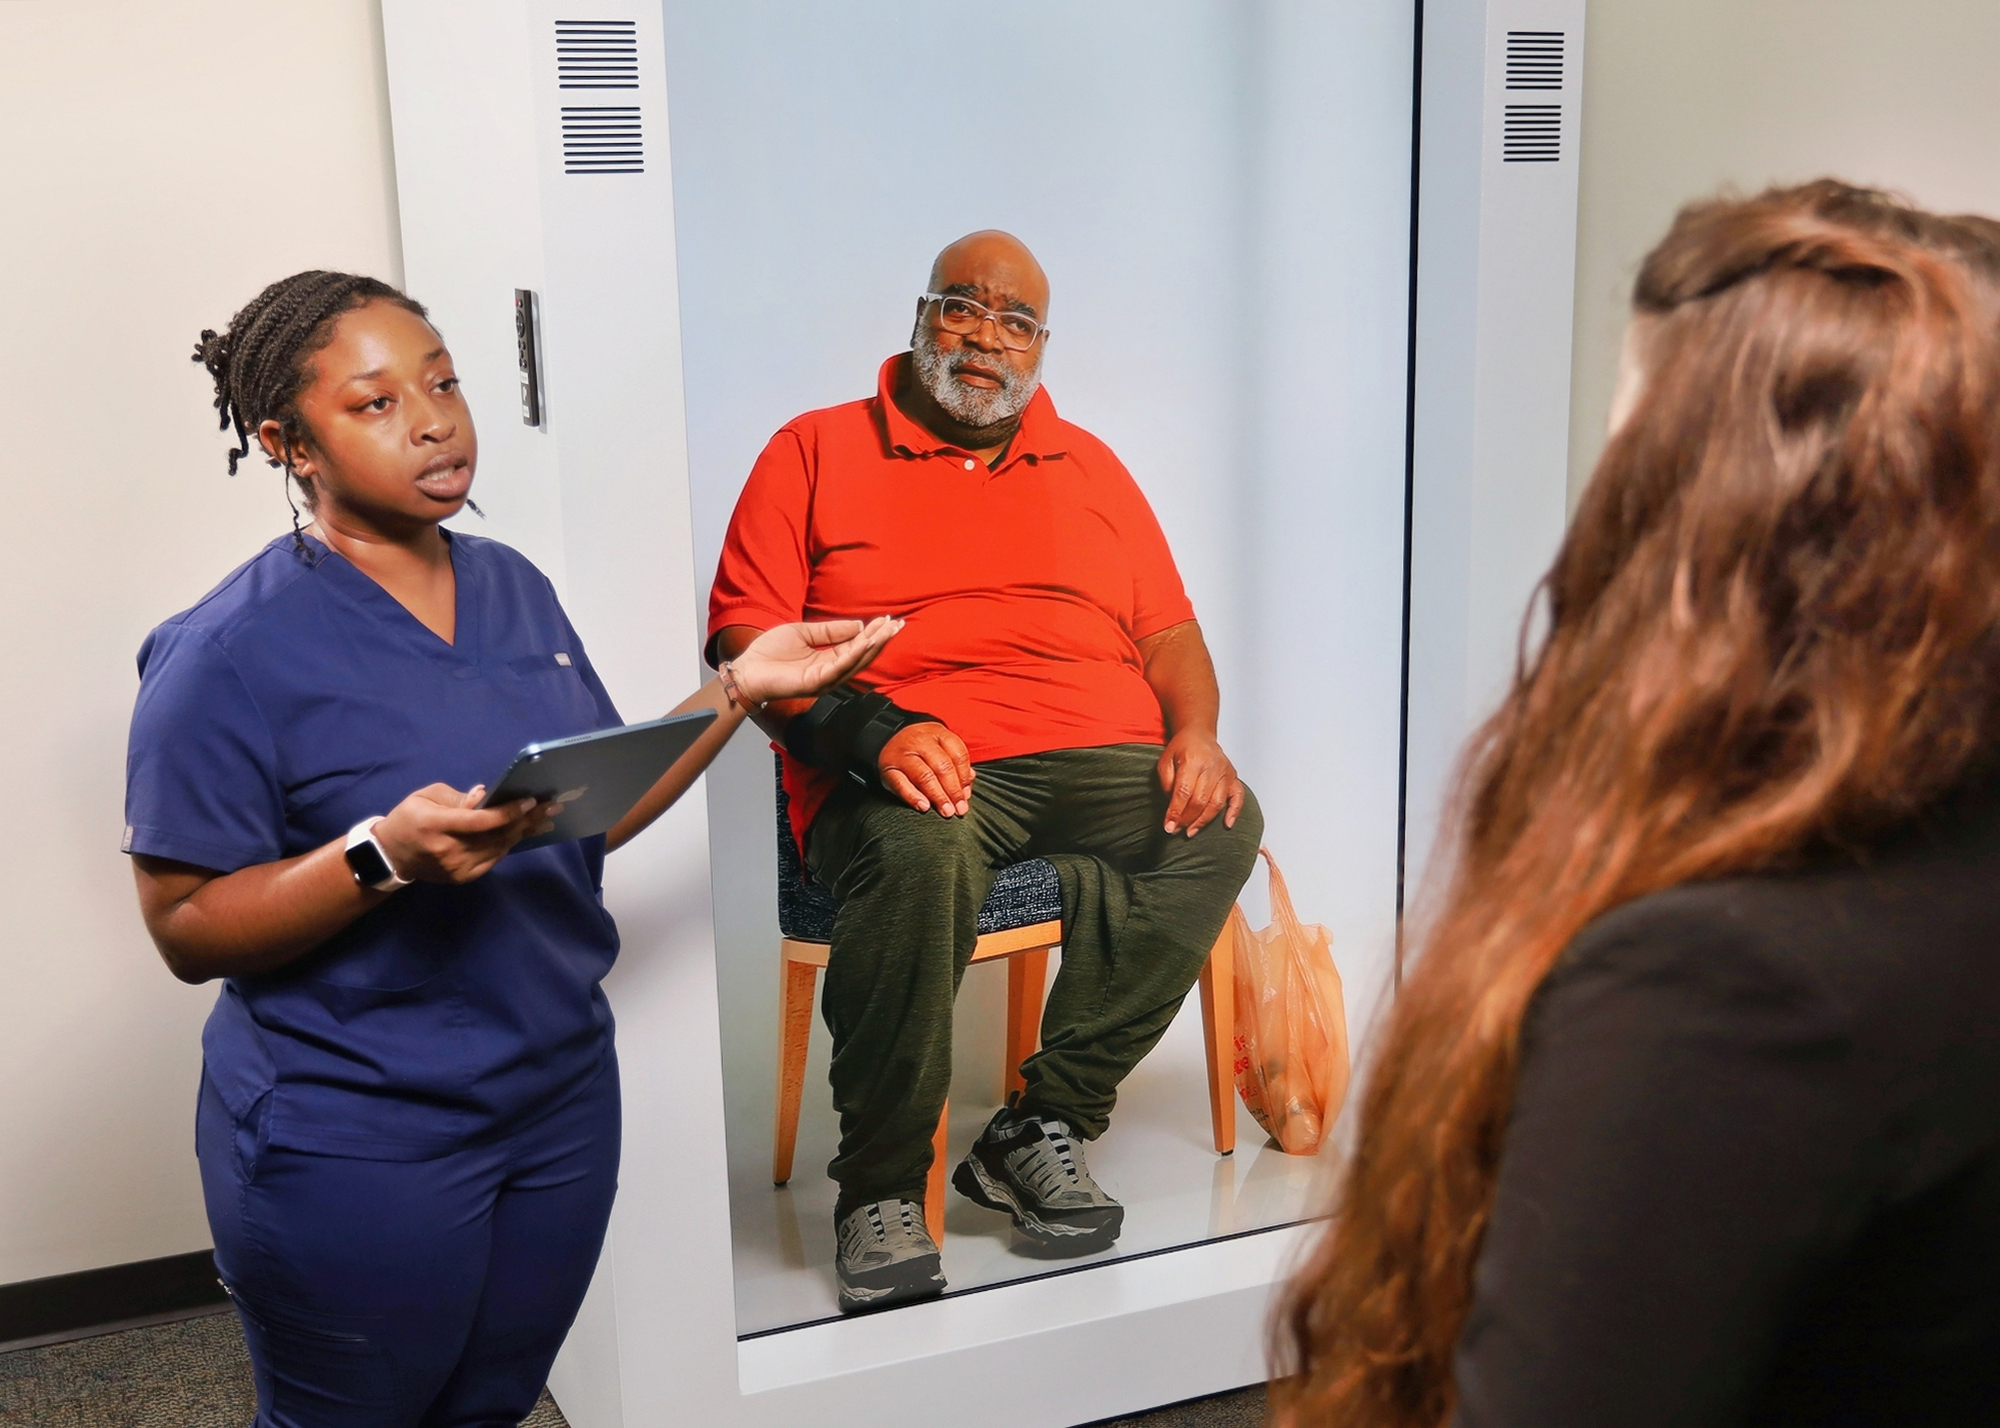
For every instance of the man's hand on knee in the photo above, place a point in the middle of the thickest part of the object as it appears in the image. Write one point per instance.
(1201, 782)
(926, 766)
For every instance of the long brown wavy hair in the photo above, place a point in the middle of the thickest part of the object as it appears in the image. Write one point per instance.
(1772, 633)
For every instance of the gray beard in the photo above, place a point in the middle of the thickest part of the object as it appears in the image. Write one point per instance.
(972, 406)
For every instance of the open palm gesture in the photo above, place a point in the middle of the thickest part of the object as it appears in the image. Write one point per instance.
(799, 661)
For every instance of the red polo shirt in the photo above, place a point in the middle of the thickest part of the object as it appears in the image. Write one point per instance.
(1024, 588)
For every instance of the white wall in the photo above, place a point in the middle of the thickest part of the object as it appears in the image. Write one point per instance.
(158, 164)
(1683, 98)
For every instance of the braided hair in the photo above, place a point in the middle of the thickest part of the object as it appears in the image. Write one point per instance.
(262, 363)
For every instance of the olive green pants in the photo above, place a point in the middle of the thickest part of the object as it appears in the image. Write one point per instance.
(1141, 909)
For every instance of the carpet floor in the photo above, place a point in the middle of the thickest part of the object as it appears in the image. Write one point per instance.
(191, 1374)
(194, 1374)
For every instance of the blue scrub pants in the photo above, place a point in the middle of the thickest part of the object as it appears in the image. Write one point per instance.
(391, 1294)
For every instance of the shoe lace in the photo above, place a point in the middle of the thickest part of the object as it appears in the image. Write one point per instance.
(860, 1226)
(907, 1217)
(1057, 1135)
(916, 1230)
(1057, 1164)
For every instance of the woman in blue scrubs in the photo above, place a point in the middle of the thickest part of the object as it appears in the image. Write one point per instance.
(408, 1127)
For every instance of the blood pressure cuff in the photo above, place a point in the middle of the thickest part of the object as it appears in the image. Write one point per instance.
(844, 732)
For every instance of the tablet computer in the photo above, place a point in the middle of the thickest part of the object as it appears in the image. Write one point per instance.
(596, 777)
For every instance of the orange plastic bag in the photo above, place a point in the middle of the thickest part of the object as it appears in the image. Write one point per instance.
(1291, 1023)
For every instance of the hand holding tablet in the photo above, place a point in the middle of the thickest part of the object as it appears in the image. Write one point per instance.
(596, 777)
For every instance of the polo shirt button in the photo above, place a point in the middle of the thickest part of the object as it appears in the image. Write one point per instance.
(968, 463)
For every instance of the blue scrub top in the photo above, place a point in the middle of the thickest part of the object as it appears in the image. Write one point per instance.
(298, 698)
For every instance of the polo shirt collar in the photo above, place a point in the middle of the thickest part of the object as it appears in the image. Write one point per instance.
(1040, 435)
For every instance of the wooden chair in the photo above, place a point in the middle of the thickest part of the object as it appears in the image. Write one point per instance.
(1020, 921)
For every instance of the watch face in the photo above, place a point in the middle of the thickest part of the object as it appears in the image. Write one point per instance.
(368, 864)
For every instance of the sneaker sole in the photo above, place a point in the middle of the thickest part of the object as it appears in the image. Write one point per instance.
(972, 1181)
(901, 1284)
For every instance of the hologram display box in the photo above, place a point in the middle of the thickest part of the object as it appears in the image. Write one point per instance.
(724, 215)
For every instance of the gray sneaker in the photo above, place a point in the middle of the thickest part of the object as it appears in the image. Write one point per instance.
(886, 1256)
(1032, 1170)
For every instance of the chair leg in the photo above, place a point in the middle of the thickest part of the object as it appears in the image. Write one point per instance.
(1218, 1030)
(934, 1188)
(795, 1013)
(1027, 976)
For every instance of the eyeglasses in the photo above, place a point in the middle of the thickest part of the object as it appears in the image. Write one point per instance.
(963, 316)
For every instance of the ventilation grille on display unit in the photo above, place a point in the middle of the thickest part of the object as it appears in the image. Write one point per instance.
(602, 139)
(597, 54)
(1532, 133)
(1534, 59)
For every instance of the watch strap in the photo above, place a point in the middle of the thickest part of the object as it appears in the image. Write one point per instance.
(369, 861)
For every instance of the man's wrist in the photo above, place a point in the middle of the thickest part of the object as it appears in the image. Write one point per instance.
(844, 732)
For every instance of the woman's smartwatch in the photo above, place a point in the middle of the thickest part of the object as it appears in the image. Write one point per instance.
(369, 861)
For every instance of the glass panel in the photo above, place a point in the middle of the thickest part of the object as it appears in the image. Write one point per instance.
(1229, 280)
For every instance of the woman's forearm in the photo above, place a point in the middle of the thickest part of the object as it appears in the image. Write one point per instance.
(779, 669)
(253, 920)
(690, 766)
(261, 918)
(774, 716)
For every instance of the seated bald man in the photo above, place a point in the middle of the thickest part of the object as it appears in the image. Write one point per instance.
(1050, 696)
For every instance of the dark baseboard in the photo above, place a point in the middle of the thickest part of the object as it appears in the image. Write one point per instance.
(72, 1305)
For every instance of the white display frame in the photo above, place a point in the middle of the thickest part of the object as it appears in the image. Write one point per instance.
(602, 506)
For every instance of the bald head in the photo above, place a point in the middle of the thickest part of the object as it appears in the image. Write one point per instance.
(997, 269)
